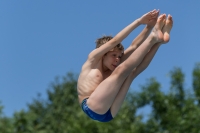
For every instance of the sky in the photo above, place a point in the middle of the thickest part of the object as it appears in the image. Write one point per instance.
(44, 39)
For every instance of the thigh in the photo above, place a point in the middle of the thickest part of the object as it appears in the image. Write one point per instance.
(104, 95)
(119, 99)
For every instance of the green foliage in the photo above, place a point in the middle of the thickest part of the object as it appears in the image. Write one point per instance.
(174, 112)
(61, 113)
(5, 123)
(196, 82)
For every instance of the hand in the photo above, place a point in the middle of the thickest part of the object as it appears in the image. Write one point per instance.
(149, 18)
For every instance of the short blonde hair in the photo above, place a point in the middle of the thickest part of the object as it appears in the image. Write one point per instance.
(100, 41)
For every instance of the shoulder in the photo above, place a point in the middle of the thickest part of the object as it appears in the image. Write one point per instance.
(92, 55)
(91, 61)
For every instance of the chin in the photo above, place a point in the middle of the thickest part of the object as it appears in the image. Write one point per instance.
(112, 69)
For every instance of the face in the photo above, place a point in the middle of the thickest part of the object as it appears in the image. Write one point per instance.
(112, 59)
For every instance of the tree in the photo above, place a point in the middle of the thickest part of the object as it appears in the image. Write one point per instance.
(196, 82)
(5, 123)
(61, 113)
(173, 112)
(177, 111)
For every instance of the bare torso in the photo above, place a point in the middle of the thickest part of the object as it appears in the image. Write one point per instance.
(90, 77)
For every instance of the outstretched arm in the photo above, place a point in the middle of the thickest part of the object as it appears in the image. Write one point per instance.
(141, 37)
(145, 19)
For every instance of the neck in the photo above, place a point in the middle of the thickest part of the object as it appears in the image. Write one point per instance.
(104, 68)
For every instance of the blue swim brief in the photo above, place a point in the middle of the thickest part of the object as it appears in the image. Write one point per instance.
(102, 118)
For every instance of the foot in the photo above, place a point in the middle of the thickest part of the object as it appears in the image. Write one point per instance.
(167, 28)
(157, 31)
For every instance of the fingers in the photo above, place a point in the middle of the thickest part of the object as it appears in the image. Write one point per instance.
(154, 16)
(155, 13)
(153, 10)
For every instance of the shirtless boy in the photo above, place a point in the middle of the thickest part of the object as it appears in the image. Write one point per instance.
(109, 70)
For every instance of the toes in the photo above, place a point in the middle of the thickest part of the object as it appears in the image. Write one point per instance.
(164, 16)
(169, 19)
(161, 20)
(161, 16)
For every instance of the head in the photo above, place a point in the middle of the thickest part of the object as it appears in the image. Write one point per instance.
(113, 57)
(104, 39)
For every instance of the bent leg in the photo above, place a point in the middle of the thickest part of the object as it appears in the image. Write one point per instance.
(104, 95)
(126, 85)
(143, 65)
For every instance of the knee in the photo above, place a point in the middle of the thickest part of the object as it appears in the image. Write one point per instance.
(97, 107)
(113, 113)
(121, 70)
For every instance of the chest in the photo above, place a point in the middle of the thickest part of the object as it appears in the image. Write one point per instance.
(98, 75)
(95, 73)
(103, 74)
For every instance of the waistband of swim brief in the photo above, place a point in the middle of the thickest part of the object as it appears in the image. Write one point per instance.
(83, 102)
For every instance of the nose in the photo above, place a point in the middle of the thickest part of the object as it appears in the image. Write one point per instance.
(117, 59)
